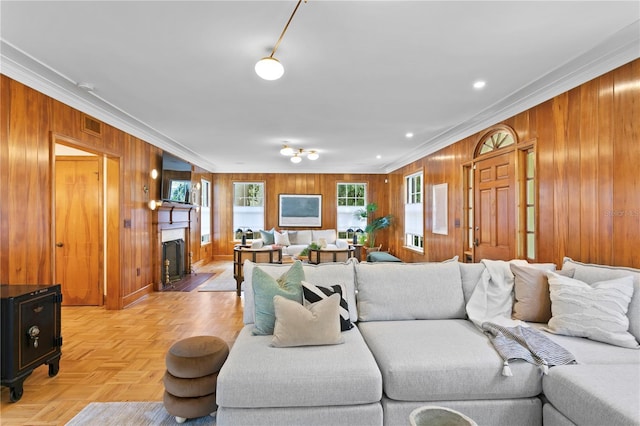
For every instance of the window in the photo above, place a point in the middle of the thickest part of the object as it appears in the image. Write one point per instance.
(205, 212)
(352, 197)
(413, 212)
(530, 204)
(248, 208)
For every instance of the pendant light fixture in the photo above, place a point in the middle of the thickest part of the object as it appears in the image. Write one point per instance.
(297, 154)
(269, 68)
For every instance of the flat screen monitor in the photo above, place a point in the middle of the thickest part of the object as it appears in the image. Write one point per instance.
(176, 179)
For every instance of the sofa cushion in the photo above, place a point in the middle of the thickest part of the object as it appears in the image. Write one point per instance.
(265, 287)
(596, 311)
(257, 375)
(324, 274)
(589, 351)
(302, 237)
(595, 394)
(439, 360)
(329, 235)
(405, 291)
(312, 293)
(590, 273)
(298, 325)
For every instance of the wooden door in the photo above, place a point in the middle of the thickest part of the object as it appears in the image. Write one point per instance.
(495, 219)
(78, 229)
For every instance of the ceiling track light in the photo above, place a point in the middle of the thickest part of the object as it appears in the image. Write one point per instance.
(297, 154)
(269, 68)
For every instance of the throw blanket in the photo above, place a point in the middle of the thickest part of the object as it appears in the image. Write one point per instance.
(492, 300)
(527, 344)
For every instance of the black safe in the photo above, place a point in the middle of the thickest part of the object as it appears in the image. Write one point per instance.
(30, 332)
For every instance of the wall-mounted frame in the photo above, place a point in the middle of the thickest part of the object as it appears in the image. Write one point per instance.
(300, 210)
(440, 209)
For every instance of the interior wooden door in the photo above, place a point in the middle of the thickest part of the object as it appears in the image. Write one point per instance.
(495, 219)
(78, 209)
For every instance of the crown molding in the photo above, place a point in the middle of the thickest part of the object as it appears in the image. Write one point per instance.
(619, 49)
(18, 65)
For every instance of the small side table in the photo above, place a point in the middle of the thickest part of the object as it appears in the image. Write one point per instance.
(261, 255)
(333, 255)
(358, 250)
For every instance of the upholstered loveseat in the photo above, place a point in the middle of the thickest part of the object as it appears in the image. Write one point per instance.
(414, 345)
(294, 241)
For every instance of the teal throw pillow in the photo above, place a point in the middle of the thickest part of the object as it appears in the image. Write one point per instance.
(267, 237)
(265, 287)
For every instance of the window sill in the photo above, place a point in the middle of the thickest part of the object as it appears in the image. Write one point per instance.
(414, 249)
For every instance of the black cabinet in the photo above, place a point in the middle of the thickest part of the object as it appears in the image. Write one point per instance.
(30, 332)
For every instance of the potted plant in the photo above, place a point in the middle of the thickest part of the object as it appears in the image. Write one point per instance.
(304, 254)
(374, 225)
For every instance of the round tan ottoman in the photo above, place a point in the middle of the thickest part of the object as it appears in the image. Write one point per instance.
(192, 375)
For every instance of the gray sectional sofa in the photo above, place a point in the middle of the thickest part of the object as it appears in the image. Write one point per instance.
(413, 345)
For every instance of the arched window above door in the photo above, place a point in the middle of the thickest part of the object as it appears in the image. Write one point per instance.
(497, 137)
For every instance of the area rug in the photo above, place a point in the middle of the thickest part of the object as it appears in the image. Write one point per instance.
(131, 413)
(222, 282)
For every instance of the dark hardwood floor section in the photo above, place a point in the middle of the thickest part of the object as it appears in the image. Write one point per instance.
(120, 355)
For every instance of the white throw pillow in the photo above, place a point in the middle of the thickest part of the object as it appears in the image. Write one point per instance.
(597, 311)
(281, 238)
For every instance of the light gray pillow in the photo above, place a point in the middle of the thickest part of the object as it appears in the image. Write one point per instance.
(591, 273)
(597, 311)
(317, 324)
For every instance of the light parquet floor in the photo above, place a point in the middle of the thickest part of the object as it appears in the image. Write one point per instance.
(112, 356)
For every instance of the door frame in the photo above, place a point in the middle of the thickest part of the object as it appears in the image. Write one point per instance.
(110, 235)
(520, 148)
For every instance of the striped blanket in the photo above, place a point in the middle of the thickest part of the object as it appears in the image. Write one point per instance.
(527, 344)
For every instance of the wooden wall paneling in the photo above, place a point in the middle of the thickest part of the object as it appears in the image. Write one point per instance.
(69, 122)
(545, 173)
(5, 115)
(605, 166)
(626, 179)
(588, 173)
(561, 188)
(289, 183)
(572, 162)
(27, 245)
(114, 274)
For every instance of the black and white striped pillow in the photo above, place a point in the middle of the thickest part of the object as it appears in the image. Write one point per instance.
(312, 293)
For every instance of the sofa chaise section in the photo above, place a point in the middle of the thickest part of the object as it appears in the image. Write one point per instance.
(258, 376)
(593, 395)
(315, 385)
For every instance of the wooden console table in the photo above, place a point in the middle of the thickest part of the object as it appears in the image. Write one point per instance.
(261, 255)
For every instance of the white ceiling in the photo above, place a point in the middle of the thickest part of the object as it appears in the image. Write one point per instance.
(359, 74)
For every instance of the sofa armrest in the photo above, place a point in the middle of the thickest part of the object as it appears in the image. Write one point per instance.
(342, 244)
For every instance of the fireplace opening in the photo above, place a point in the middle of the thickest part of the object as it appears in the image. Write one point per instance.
(173, 251)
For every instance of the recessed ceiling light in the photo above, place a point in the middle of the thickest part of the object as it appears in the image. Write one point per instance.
(378, 156)
(479, 84)
(408, 135)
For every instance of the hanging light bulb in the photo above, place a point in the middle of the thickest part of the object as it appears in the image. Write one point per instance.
(269, 68)
(286, 150)
(312, 155)
(296, 159)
